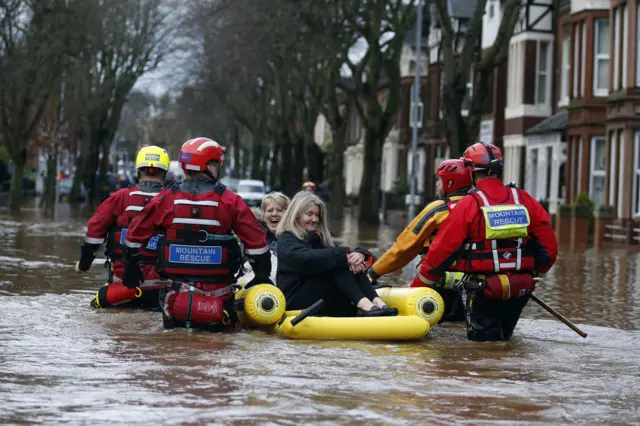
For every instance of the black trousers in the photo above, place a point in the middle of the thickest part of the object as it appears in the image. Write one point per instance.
(491, 320)
(341, 291)
(453, 306)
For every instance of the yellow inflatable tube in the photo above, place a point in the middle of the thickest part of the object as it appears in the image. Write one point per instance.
(420, 301)
(263, 305)
(373, 328)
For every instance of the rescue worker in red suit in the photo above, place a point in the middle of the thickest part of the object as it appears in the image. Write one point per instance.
(109, 224)
(198, 250)
(501, 238)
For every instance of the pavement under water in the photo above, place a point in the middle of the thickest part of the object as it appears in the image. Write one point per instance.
(63, 362)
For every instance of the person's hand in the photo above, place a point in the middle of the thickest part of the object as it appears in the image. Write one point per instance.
(357, 268)
(355, 258)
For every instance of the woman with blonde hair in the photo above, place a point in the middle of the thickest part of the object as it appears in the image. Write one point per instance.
(273, 206)
(312, 267)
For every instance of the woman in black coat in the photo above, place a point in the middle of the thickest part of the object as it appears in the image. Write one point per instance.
(311, 267)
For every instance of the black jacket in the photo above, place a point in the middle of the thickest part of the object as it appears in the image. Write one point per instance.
(302, 260)
(272, 240)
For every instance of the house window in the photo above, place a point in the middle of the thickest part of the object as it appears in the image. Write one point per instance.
(601, 58)
(440, 111)
(637, 45)
(534, 176)
(566, 69)
(514, 88)
(598, 169)
(612, 171)
(583, 55)
(625, 43)
(576, 59)
(542, 82)
(616, 49)
(621, 181)
(636, 175)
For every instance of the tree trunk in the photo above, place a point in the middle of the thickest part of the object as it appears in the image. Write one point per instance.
(258, 161)
(76, 188)
(49, 194)
(285, 164)
(102, 186)
(275, 168)
(336, 172)
(370, 187)
(15, 196)
(235, 141)
(481, 94)
(91, 165)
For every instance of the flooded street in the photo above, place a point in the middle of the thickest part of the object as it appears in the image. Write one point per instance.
(63, 362)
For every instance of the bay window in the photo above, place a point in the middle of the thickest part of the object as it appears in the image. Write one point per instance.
(576, 59)
(542, 80)
(637, 44)
(616, 49)
(583, 50)
(601, 58)
(598, 169)
(636, 176)
(566, 69)
(625, 44)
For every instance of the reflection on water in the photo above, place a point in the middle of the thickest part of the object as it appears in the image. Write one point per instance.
(61, 361)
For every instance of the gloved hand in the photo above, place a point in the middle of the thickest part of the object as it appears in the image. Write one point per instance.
(132, 276)
(87, 255)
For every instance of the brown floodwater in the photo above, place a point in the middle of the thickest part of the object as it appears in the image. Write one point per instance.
(62, 362)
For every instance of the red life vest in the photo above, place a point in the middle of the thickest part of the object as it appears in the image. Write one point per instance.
(196, 247)
(507, 246)
(118, 233)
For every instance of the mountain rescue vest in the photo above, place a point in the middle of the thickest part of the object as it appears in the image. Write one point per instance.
(118, 233)
(195, 246)
(507, 244)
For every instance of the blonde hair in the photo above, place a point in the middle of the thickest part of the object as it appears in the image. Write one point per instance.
(278, 198)
(300, 203)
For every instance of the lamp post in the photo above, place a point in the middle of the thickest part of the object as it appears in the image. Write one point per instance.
(416, 114)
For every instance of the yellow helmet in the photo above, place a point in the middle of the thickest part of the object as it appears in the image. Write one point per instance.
(153, 156)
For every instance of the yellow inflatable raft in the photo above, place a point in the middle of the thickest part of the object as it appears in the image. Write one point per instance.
(263, 306)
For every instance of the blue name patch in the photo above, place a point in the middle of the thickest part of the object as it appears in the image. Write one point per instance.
(502, 218)
(197, 255)
(151, 245)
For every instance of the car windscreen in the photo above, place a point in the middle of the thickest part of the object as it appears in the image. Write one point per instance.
(250, 188)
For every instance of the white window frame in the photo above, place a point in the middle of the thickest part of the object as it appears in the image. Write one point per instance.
(565, 71)
(576, 61)
(613, 168)
(596, 173)
(625, 45)
(635, 209)
(616, 49)
(597, 57)
(546, 73)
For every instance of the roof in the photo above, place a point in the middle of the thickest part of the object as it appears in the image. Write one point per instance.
(556, 123)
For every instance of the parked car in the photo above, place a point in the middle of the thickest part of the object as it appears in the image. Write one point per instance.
(230, 183)
(251, 191)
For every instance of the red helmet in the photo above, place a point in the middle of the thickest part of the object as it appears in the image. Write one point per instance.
(197, 153)
(482, 156)
(308, 186)
(454, 174)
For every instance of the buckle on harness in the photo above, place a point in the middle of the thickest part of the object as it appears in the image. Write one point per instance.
(214, 237)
